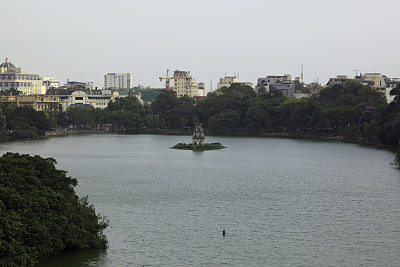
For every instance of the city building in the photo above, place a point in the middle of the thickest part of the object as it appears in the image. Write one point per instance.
(14, 78)
(393, 83)
(73, 86)
(184, 84)
(270, 79)
(88, 97)
(287, 88)
(280, 82)
(82, 98)
(38, 102)
(227, 81)
(339, 79)
(117, 80)
(202, 89)
(50, 83)
(379, 80)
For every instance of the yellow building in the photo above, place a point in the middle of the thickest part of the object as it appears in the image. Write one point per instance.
(227, 81)
(38, 102)
(184, 84)
(378, 79)
(14, 78)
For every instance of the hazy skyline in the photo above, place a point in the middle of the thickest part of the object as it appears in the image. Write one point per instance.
(86, 39)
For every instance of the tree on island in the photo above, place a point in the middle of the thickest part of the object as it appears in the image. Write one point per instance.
(40, 214)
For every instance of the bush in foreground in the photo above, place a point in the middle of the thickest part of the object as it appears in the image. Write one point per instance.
(40, 214)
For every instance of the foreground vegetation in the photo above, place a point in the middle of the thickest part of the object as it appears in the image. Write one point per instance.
(211, 146)
(40, 214)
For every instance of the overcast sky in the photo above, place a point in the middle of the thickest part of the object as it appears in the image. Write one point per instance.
(85, 39)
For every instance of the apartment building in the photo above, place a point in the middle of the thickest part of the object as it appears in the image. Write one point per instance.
(184, 84)
(227, 81)
(117, 80)
(280, 82)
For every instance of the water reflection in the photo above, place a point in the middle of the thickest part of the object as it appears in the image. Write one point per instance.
(396, 161)
(89, 258)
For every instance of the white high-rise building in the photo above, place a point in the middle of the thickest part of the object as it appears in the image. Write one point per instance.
(117, 80)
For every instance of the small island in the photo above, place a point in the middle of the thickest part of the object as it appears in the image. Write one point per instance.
(198, 142)
(211, 146)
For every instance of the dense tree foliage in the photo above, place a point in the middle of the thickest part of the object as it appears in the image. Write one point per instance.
(3, 131)
(40, 213)
(24, 122)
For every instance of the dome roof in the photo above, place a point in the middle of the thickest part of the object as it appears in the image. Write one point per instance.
(9, 66)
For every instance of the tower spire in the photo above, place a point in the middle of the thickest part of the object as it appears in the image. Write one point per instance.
(302, 77)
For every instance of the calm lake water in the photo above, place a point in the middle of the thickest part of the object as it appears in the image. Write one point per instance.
(281, 202)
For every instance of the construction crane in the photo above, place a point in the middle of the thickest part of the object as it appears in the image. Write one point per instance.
(167, 80)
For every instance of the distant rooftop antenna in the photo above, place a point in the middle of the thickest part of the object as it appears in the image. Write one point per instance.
(302, 76)
(356, 72)
(211, 86)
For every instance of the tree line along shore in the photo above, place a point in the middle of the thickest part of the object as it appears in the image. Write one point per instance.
(352, 112)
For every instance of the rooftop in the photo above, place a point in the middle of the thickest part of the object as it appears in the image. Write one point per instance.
(9, 66)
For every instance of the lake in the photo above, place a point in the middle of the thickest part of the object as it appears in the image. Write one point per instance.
(282, 202)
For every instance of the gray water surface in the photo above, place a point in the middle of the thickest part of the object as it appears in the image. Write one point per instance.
(281, 202)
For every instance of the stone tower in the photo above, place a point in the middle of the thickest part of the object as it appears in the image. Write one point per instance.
(198, 135)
